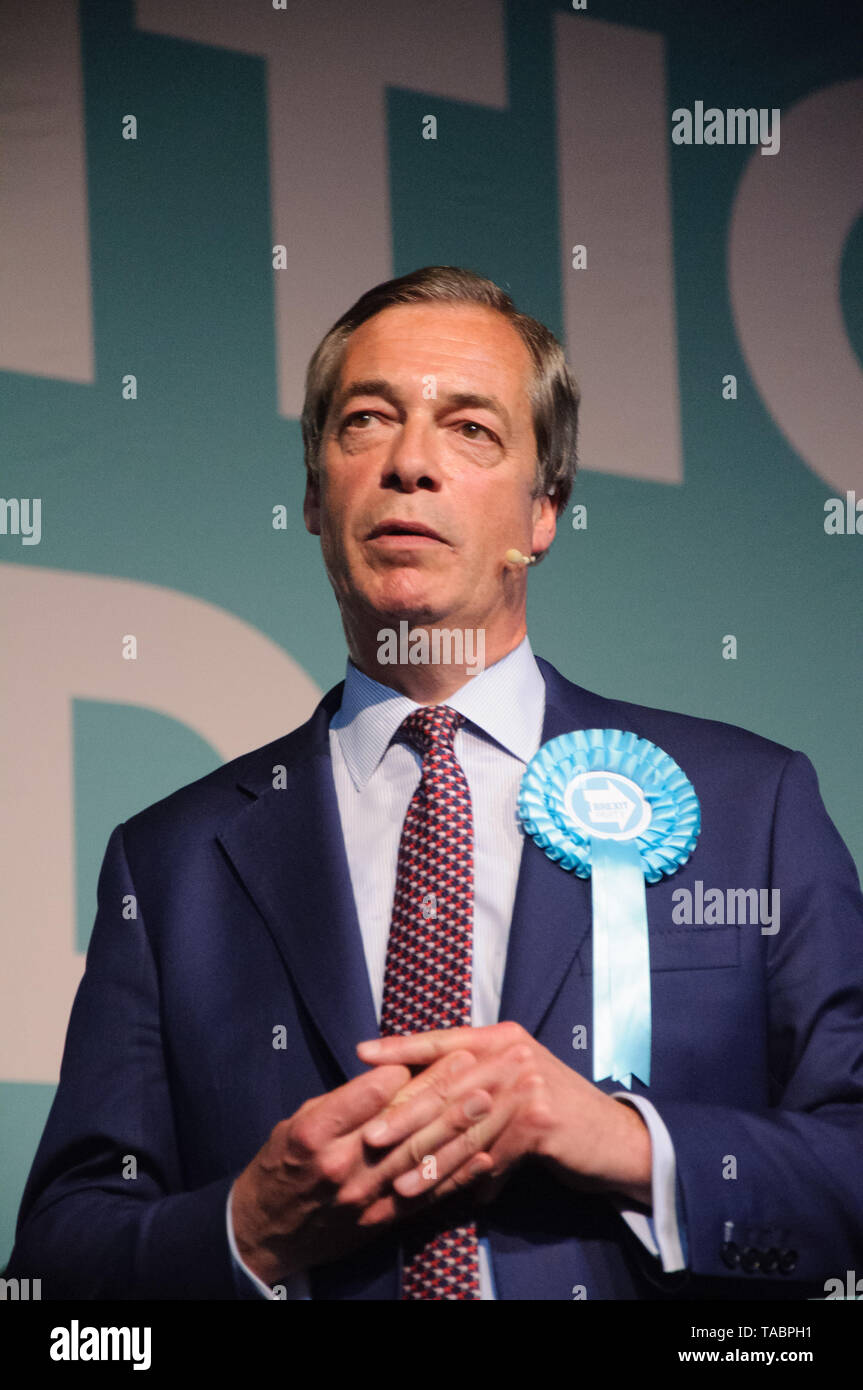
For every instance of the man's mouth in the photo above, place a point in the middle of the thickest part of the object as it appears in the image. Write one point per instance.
(397, 527)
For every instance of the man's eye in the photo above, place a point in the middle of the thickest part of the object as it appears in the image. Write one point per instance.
(472, 425)
(357, 415)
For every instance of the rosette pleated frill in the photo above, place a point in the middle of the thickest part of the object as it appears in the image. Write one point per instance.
(613, 807)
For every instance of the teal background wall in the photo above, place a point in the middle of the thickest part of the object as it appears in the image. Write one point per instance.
(176, 489)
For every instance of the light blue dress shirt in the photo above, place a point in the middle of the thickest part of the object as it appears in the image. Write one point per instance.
(375, 779)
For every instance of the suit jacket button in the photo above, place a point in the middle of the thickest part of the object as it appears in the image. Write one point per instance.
(750, 1259)
(787, 1261)
(770, 1260)
(730, 1253)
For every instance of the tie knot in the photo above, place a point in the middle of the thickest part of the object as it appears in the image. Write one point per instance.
(431, 726)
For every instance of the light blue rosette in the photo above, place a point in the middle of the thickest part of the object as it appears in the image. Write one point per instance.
(610, 806)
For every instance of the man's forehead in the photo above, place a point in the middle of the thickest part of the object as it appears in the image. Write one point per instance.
(459, 340)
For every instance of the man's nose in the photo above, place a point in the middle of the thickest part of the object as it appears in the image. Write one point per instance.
(414, 457)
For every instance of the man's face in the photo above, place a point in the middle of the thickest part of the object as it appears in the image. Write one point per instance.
(431, 427)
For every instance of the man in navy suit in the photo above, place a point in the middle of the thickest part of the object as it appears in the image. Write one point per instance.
(226, 1124)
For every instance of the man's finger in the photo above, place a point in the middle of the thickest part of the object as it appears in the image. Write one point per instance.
(451, 1079)
(419, 1049)
(450, 1142)
(419, 1102)
(433, 1151)
(347, 1108)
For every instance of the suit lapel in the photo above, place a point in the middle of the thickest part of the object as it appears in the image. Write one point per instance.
(552, 910)
(550, 924)
(288, 849)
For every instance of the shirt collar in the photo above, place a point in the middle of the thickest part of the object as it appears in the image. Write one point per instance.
(506, 701)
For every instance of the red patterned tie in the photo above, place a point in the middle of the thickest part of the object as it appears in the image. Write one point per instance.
(427, 979)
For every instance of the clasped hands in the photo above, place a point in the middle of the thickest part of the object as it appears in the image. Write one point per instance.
(435, 1113)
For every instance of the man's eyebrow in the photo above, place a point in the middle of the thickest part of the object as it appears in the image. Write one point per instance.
(372, 386)
(456, 400)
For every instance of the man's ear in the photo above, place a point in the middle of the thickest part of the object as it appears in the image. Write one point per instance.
(544, 524)
(312, 505)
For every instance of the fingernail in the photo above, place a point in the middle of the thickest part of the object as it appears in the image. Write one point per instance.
(371, 1048)
(378, 1132)
(475, 1107)
(460, 1062)
(409, 1183)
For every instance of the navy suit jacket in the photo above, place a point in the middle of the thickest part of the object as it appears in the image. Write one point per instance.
(246, 921)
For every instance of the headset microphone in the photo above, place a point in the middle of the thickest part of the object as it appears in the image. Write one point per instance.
(515, 557)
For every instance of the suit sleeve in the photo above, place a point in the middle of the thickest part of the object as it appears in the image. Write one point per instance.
(790, 1205)
(105, 1213)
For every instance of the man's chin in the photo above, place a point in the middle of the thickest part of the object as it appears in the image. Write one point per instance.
(409, 601)
(415, 614)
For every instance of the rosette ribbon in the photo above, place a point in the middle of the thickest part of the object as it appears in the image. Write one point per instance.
(612, 807)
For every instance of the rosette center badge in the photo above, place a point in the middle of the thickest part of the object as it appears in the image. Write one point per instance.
(607, 806)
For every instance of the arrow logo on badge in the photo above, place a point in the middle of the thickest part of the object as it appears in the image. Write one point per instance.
(608, 805)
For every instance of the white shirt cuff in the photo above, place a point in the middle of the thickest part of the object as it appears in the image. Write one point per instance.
(295, 1287)
(660, 1233)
